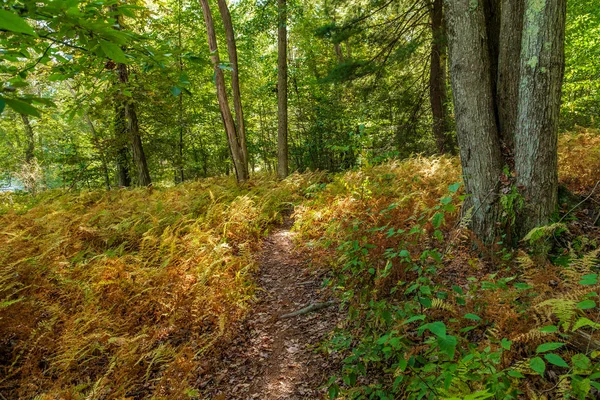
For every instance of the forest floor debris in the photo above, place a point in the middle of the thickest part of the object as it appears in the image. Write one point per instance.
(276, 358)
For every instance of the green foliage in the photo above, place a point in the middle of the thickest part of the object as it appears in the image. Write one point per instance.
(426, 318)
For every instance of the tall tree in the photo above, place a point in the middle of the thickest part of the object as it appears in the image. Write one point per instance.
(282, 92)
(536, 136)
(437, 81)
(235, 77)
(479, 80)
(235, 148)
(127, 110)
(121, 139)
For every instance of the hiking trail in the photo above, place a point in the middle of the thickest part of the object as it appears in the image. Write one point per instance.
(274, 358)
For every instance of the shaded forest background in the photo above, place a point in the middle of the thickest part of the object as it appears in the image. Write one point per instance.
(359, 91)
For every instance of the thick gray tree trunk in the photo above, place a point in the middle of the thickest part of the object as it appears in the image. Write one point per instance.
(511, 27)
(542, 69)
(241, 167)
(282, 92)
(474, 109)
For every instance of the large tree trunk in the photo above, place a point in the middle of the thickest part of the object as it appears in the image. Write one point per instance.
(133, 129)
(241, 167)
(282, 92)
(30, 140)
(235, 78)
(511, 27)
(474, 110)
(542, 68)
(437, 81)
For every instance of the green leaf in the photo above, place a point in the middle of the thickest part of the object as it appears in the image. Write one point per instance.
(454, 187)
(548, 347)
(438, 328)
(586, 304)
(515, 374)
(473, 317)
(12, 22)
(590, 279)
(581, 362)
(556, 360)
(113, 52)
(21, 107)
(175, 91)
(2, 105)
(437, 220)
(581, 322)
(549, 329)
(538, 365)
(447, 345)
(505, 343)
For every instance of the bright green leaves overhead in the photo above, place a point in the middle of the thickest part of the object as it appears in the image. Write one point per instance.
(13, 23)
(21, 107)
(113, 52)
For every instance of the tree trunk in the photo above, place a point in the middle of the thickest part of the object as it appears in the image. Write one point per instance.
(511, 27)
(96, 140)
(235, 77)
(474, 109)
(241, 168)
(121, 137)
(437, 81)
(542, 69)
(282, 92)
(179, 175)
(133, 130)
(30, 148)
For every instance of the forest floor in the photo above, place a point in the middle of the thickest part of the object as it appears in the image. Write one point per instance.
(272, 357)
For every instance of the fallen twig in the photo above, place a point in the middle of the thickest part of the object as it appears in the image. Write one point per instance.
(308, 309)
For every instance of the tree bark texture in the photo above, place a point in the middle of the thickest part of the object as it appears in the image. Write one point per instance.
(509, 53)
(121, 138)
(139, 158)
(241, 168)
(542, 69)
(474, 109)
(437, 81)
(235, 77)
(507, 89)
(282, 92)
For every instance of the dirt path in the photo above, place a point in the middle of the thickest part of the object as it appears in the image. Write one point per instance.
(274, 358)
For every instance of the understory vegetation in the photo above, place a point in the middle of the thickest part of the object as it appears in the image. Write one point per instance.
(429, 316)
(125, 294)
(130, 294)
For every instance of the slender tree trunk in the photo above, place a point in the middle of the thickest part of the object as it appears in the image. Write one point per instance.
(542, 69)
(99, 149)
(96, 141)
(282, 92)
(511, 27)
(241, 167)
(121, 137)
(133, 129)
(437, 81)
(474, 109)
(30, 147)
(180, 165)
(235, 78)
